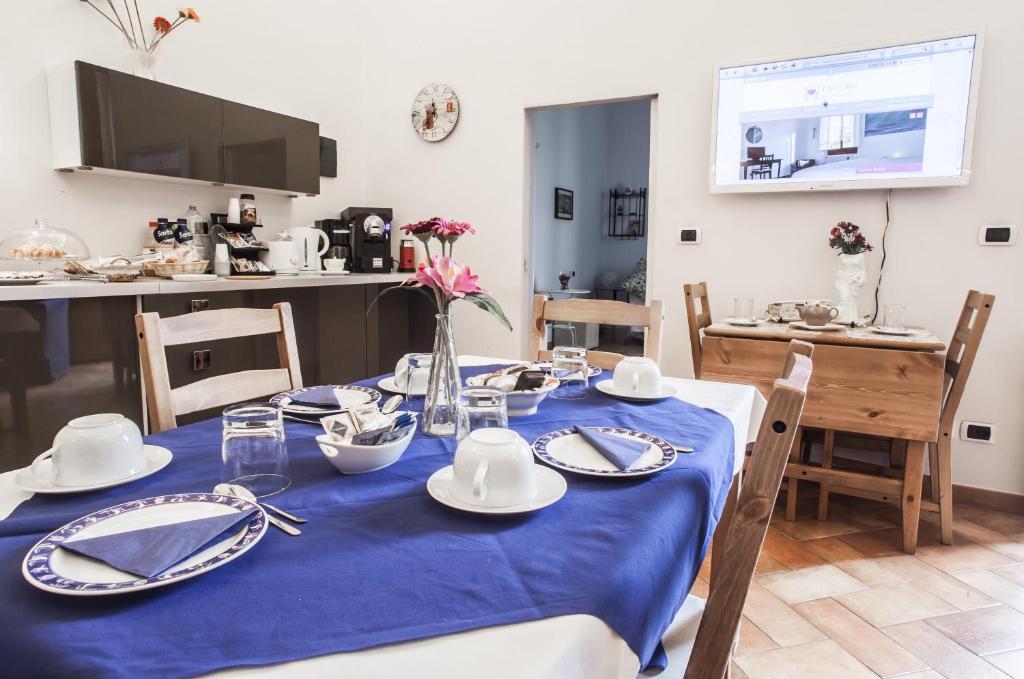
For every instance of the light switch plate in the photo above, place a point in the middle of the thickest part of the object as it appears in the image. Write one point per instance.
(997, 234)
(977, 432)
(689, 236)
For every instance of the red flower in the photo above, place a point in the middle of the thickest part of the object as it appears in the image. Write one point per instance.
(161, 25)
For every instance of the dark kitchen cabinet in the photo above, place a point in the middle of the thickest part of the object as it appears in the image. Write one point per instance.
(138, 125)
(271, 150)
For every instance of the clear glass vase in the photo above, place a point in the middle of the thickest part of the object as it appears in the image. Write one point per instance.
(144, 64)
(441, 407)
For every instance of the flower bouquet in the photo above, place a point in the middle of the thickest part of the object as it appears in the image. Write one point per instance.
(444, 281)
(847, 238)
(143, 48)
(852, 245)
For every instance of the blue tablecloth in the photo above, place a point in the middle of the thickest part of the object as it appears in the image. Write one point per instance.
(380, 561)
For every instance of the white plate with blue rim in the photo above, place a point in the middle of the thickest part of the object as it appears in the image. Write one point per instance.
(566, 450)
(592, 370)
(349, 396)
(57, 570)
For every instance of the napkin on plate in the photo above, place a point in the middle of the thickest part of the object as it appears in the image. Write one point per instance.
(148, 551)
(621, 452)
(317, 397)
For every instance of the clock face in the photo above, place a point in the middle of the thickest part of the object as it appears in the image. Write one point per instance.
(435, 112)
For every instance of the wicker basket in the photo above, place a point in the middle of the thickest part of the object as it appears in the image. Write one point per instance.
(165, 270)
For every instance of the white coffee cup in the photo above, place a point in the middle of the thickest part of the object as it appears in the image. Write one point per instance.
(637, 376)
(334, 265)
(494, 468)
(419, 377)
(92, 450)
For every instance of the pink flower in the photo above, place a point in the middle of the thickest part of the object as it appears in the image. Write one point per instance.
(446, 276)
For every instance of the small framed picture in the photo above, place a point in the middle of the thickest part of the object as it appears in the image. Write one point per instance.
(563, 203)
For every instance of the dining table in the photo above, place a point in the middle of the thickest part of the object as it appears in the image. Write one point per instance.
(879, 382)
(385, 581)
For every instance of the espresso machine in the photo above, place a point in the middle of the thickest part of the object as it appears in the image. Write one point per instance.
(338, 240)
(369, 238)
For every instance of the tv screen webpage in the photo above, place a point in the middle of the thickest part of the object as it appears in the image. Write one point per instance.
(891, 116)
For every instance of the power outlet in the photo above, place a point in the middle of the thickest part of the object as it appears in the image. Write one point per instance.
(977, 432)
(689, 236)
(997, 234)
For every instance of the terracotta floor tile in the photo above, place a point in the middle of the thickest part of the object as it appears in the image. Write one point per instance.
(780, 622)
(788, 551)
(1012, 663)
(927, 674)
(752, 639)
(945, 586)
(700, 588)
(804, 662)
(865, 643)
(984, 630)
(845, 557)
(811, 583)
(996, 586)
(1012, 573)
(809, 529)
(883, 542)
(962, 556)
(943, 654)
(766, 563)
(1008, 524)
(737, 673)
(994, 540)
(895, 604)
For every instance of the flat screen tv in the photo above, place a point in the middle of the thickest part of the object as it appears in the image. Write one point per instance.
(901, 115)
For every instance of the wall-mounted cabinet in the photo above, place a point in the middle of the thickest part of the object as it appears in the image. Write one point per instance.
(105, 120)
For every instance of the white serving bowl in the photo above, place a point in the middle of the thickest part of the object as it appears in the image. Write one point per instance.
(349, 458)
(520, 403)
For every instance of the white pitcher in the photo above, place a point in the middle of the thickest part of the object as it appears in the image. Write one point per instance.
(308, 241)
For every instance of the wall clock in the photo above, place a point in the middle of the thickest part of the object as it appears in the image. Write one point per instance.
(435, 111)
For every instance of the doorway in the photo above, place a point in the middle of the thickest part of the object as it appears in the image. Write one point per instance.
(589, 171)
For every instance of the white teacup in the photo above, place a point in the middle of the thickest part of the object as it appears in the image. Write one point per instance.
(419, 377)
(334, 265)
(494, 468)
(637, 376)
(92, 450)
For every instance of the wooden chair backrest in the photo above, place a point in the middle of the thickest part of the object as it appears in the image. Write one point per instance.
(970, 328)
(603, 311)
(745, 533)
(796, 348)
(155, 334)
(697, 321)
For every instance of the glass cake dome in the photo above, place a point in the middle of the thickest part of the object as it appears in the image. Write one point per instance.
(43, 242)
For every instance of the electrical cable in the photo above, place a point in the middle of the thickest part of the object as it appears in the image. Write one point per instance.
(881, 268)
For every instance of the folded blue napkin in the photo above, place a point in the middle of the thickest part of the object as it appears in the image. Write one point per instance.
(148, 551)
(317, 397)
(621, 452)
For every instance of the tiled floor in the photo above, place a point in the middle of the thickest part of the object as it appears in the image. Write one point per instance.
(839, 599)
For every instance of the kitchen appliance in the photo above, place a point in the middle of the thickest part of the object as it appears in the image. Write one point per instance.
(370, 238)
(283, 256)
(339, 236)
(311, 244)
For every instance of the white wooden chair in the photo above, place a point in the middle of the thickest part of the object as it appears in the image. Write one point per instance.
(155, 334)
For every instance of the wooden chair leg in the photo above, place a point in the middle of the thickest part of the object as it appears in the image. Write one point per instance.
(945, 482)
(792, 483)
(933, 470)
(913, 479)
(826, 463)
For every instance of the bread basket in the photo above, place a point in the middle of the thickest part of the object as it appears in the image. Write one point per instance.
(166, 270)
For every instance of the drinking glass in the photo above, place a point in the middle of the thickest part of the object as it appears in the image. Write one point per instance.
(569, 365)
(893, 316)
(417, 374)
(481, 408)
(743, 308)
(253, 452)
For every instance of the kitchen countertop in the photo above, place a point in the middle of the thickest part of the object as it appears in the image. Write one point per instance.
(164, 286)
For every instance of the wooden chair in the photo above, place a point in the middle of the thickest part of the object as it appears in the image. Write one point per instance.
(703, 640)
(696, 321)
(603, 311)
(963, 348)
(156, 333)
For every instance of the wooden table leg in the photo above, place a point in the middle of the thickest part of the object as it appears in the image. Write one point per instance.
(913, 479)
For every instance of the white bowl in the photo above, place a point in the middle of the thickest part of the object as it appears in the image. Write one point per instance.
(521, 403)
(349, 458)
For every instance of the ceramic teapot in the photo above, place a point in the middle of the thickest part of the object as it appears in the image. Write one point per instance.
(817, 314)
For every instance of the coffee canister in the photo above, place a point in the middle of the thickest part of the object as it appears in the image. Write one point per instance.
(407, 255)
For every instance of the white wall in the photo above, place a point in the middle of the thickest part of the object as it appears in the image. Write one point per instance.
(287, 59)
(503, 60)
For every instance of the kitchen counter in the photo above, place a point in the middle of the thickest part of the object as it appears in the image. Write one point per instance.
(165, 286)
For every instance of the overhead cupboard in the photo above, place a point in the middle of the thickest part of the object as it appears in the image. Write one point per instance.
(109, 121)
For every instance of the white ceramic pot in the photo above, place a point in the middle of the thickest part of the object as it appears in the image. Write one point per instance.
(637, 376)
(494, 468)
(282, 256)
(92, 450)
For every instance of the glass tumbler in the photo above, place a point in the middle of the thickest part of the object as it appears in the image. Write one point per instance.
(417, 377)
(743, 309)
(892, 316)
(253, 451)
(481, 408)
(569, 365)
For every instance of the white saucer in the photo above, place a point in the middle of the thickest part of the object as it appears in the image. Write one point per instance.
(828, 327)
(156, 459)
(194, 277)
(334, 273)
(608, 387)
(388, 384)
(899, 332)
(742, 322)
(551, 487)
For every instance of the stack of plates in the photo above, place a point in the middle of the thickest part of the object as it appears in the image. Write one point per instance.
(349, 396)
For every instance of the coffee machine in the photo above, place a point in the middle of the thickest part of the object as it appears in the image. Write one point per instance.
(369, 238)
(338, 240)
